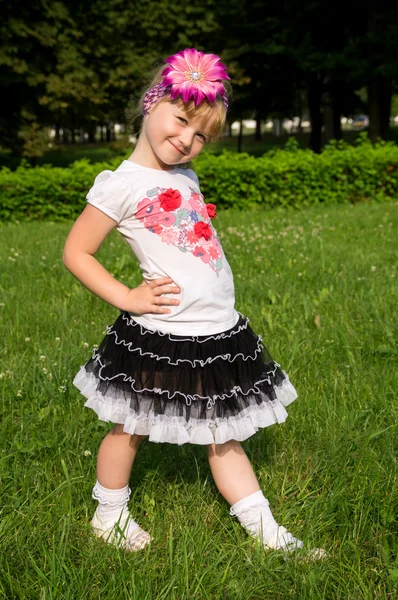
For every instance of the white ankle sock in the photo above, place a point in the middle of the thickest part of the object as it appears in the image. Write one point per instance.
(112, 507)
(254, 513)
(252, 500)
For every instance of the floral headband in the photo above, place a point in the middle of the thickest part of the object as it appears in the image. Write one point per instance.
(190, 74)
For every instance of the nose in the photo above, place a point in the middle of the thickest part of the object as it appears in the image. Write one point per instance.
(186, 138)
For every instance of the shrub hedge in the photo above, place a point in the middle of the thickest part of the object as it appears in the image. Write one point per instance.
(289, 177)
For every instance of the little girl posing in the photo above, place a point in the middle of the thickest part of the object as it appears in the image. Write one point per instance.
(180, 364)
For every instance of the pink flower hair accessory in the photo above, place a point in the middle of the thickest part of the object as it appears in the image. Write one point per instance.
(190, 74)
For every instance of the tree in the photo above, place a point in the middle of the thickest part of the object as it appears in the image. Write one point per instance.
(381, 49)
(76, 65)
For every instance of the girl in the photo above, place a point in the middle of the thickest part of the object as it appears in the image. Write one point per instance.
(179, 365)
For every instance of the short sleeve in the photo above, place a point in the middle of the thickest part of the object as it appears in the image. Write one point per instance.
(192, 175)
(112, 195)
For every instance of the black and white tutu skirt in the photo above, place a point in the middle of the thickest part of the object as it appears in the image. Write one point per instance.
(175, 389)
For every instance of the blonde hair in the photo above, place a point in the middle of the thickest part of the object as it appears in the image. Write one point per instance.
(213, 114)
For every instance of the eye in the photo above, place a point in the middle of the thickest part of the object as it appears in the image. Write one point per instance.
(202, 137)
(182, 120)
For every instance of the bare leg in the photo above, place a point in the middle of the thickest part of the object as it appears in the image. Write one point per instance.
(116, 456)
(112, 520)
(237, 483)
(232, 471)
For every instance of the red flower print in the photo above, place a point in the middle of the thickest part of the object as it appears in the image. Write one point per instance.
(203, 230)
(211, 210)
(165, 219)
(195, 203)
(167, 236)
(198, 251)
(192, 237)
(215, 252)
(147, 207)
(182, 221)
(170, 199)
(153, 227)
(202, 254)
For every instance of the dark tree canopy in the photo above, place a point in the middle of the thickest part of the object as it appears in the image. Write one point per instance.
(74, 65)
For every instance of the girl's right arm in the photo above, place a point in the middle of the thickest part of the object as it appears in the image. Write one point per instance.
(86, 236)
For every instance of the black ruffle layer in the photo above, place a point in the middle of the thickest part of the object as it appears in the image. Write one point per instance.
(221, 375)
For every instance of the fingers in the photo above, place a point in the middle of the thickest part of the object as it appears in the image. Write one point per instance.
(157, 290)
(158, 310)
(161, 281)
(164, 301)
(162, 286)
(160, 304)
(166, 289)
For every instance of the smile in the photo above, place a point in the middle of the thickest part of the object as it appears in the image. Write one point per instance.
(178, 150)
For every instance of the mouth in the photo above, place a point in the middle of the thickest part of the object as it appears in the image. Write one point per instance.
(178, 150)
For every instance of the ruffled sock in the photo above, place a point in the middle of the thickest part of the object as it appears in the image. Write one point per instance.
(254, 514)
(112, 511)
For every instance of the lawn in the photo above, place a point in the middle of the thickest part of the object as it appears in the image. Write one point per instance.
(320, 287)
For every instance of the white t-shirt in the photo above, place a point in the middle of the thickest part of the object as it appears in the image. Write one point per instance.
(163, 217)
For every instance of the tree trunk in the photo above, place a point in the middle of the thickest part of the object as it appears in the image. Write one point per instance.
(314, 106)
(299, 125)
(337, 132)
(240, 135)
(327, 105)
(57, 135)
(258, 136)
(276, 127)
(73, 129)
(379, 87)
(331, 114)
(379, 108)
(300, 107)
(108, 131)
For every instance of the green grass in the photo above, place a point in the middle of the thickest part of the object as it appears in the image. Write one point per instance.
(320, 286)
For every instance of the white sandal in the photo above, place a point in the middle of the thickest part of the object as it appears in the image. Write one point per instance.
(115, 534)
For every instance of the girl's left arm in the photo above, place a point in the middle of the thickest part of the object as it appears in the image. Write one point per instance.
(85, 238)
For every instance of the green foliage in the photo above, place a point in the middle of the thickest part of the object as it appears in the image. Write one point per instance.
(301, 178)
(289, 177)
(35, 139)
(47, 192)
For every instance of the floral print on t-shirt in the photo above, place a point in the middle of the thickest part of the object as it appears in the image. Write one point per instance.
(183, 222)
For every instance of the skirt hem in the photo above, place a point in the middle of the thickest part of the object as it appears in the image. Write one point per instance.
(176, 429)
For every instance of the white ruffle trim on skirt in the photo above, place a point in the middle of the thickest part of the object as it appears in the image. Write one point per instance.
(175, 429)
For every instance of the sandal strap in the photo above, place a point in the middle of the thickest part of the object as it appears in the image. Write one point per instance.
(137, 540)
(117, 535)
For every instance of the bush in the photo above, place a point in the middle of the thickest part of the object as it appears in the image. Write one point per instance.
(289, 177)
(47, 192)
(300, 178)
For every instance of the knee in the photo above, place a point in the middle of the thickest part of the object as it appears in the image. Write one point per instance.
(223, 449)
(135, 439)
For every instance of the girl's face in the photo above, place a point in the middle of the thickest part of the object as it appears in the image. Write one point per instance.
(170, 136)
